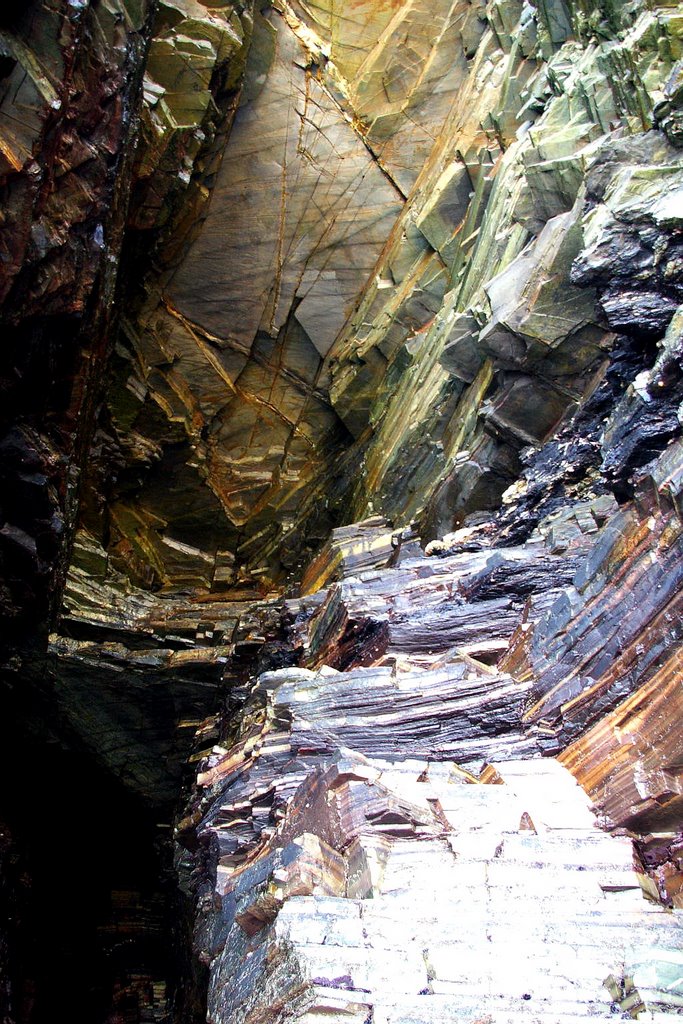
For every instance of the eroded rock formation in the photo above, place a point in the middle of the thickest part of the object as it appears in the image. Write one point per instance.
(341, 454)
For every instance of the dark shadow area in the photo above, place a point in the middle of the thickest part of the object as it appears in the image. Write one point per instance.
(87, 916)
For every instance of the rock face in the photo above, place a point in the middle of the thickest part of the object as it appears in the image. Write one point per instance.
(70, 80)
(368, 784)
(341, 453)
(353, 305)
(338, 919)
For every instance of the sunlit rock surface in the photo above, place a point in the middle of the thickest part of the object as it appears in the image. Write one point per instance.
(411, 890)
(353, 306)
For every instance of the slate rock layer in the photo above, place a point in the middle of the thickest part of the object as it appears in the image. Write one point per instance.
(340, 451)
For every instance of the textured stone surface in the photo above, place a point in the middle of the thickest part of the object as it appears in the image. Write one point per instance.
(337, 917)
(368, 240)
(70, 85)
(160, 668)
(384, 484)
(453, 392)
(280, 811)
(375, 231)
(234, 351)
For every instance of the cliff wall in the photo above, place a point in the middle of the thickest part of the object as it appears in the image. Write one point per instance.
(340, 450)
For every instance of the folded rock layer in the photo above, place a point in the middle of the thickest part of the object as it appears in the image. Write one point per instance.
(341, 453)
(400, 258)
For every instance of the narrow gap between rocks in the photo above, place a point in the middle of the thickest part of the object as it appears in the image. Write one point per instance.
(89, 905)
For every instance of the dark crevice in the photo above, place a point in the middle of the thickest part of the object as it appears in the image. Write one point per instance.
(90, 902)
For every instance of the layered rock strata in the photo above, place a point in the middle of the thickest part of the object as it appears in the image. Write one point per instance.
(412, 216)
(69, 84)
(344, 794)
(336, 918)
(383, 495)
